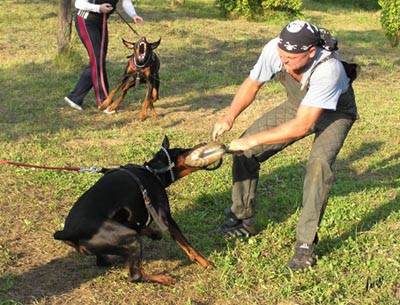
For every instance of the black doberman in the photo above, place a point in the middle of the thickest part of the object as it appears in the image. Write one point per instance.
(143, 68)
(109, 218)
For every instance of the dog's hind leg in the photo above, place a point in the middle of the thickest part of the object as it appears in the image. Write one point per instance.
(154, 98)
(113, 238)
(146, 103)
(150, 233)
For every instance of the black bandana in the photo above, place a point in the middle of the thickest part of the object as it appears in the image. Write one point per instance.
(299, 36)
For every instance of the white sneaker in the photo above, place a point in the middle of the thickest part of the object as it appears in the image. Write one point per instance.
(72, 104)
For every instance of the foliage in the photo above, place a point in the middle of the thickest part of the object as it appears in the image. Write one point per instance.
(291, 6)
(250, 9)
(390, 20)
(354, 4)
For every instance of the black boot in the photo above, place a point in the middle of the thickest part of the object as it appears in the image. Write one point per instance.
(303, 257)
(236, 227)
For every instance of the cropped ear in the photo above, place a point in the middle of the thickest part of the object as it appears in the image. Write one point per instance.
(129, 45)
(165, 142)
(155, 44)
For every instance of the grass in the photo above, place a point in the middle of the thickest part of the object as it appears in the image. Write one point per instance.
(204, 58)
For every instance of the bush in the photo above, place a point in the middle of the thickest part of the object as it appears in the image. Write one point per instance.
(249, 9)
(354, 4)
(290, 6)
(390, 20)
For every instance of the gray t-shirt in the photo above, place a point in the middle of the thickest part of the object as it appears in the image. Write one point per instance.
(325, 85)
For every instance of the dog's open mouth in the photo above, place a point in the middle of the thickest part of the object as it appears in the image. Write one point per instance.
(142, 51)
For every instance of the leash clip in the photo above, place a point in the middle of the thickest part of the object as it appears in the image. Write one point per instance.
(146, 197)
(92, 169)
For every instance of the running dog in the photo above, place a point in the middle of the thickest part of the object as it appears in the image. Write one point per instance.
(109, 219)
(143, 67)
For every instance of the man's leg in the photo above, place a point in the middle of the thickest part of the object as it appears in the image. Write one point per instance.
(331, 130)
(245, 172)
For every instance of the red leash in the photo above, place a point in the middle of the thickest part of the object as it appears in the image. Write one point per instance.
(103, 34)
(93, 169)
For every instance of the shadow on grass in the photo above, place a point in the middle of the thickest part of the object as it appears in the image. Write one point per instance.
(57, 277)
(63, 275)
(377, 175)
(281, 205)
(324, 5)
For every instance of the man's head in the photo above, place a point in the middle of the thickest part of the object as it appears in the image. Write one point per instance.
(297, 44)
(298, 37)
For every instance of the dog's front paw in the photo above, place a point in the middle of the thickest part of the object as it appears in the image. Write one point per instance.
(166, 280)
(108, 111)
(163, 279)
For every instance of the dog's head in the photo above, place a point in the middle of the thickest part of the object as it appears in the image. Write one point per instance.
(142, 49)
(169, 163)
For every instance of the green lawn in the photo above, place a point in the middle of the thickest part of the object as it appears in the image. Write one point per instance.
(204, 58)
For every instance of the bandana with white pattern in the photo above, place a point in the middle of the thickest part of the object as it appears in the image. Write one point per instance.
(299, 36)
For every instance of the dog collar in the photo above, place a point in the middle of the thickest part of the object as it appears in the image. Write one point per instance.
(170, 163)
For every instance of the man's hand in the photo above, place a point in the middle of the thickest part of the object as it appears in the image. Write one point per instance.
(241, 144)
(220, 128)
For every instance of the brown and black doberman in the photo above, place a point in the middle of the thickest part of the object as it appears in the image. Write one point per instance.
(109, 219)
(143, 68)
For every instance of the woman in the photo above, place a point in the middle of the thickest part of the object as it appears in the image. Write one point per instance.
(91, 25)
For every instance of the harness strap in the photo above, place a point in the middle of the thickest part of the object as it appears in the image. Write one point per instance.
(139, 68)
(150, 208)
(307, 83)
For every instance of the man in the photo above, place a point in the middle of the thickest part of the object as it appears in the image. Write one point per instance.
(320, 101)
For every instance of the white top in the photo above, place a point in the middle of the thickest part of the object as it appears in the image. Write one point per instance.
(95, 8)
(326, 83)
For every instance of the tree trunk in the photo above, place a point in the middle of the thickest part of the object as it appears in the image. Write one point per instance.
(64, 25)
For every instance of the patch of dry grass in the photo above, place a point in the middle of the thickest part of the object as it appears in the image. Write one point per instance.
(203, 61)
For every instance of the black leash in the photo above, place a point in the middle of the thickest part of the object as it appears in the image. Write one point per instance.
(123, 19)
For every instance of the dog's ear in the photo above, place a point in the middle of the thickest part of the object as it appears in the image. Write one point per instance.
(165, 142)
(155, 44)
(129, 45)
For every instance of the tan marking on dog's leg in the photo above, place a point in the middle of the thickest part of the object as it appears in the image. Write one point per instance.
(120, 98)
(145, 106)
(154, 94)
(163, 279)
(195, 256)
(110, 97)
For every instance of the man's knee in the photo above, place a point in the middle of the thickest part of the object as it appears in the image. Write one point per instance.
(319, 169)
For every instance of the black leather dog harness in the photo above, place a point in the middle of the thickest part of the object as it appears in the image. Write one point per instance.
(150, 208)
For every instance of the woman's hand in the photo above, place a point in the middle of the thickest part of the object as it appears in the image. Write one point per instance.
(137, 19)
(106, 8)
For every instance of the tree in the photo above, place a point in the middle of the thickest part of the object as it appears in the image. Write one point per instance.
(390, 20)
(64, 25)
